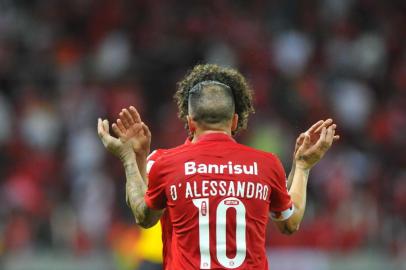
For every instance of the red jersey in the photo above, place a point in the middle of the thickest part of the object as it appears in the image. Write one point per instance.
(218, 195)
(166, 225)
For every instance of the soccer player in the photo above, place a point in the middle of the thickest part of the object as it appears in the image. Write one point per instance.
(218, 193)
(130, 123)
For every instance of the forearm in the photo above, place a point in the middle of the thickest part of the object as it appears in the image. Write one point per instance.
(141, 159)
(291, 174)
(297, 191)
(135, 192)
(135, 189)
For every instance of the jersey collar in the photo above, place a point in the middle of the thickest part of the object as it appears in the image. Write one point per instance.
(215, 136)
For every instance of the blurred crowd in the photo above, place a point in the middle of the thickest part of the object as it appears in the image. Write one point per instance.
(64, 63)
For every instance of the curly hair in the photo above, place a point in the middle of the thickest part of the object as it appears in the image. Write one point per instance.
(241, 90)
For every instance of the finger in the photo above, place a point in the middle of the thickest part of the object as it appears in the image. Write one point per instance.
(336, 138)
(315, 126)
(106, 126)
(326, 139)
(146, 130)
(326, 123)
(128, 117)
(299, 141)
(117, 130)
(103, 132)
(134, 113)
(121, 126)
(330, 135)
(306, 140)
(304, 145)
(99, 127)
(322, 139)
(124, 120)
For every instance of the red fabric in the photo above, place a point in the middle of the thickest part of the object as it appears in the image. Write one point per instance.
(166, 224)
(178, 188)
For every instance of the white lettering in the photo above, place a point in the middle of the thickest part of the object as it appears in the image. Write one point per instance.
(230, 167)
(250, 190)
(195, 189)
(240, 189)
(258, 193)
(265, 193)
(213, 168)
(174, 195)
(222, 188)
(188, 192)
(213, 190)
(246, 171)
(222, 167)
(190, 168)
(202, 168)
(237, 169)
(231, 189)
(205, 187)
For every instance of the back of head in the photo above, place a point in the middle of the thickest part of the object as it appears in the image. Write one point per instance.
(239, 89)
(211, 103)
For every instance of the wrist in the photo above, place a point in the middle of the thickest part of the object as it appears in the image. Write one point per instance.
(142, 153)
(303, 167)
(127, 157)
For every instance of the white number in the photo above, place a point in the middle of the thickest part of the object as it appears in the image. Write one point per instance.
(221, 233)
(221, 222)
(204, 241)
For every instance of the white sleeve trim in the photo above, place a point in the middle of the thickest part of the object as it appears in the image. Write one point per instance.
(150, 155)
(284, 215)
(149, 165)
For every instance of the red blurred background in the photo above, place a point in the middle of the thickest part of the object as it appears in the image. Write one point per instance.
(65, 63)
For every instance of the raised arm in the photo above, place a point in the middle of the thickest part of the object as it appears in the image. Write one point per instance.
(135, 183)
(314, 133)
(142, 136)
(306, 156)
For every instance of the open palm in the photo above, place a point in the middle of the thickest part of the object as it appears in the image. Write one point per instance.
(119, 147)
(309, 151)
(130, 128)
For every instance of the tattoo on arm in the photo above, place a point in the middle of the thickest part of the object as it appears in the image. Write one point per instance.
(135, 191)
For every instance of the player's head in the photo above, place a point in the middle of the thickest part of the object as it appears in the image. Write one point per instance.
(211, 106)
(215, 94)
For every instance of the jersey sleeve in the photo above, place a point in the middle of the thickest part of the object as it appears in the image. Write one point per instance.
(155, 197)
(281, 203)
(154, 156)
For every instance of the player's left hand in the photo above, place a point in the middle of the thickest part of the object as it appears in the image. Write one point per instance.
(314, 133)
(315, 144)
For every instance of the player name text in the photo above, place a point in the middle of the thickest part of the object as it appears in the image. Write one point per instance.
(208, 188)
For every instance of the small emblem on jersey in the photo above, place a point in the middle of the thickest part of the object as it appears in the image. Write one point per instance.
(204, 209)
(231, 202)
(231, 263)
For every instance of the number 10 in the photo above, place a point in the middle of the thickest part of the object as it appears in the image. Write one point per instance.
(221, 220)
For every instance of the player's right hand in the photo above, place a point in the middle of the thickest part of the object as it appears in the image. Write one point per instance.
(121, 147)
(130, 126)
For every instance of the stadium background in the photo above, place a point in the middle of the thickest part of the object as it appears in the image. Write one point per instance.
(64, 63)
